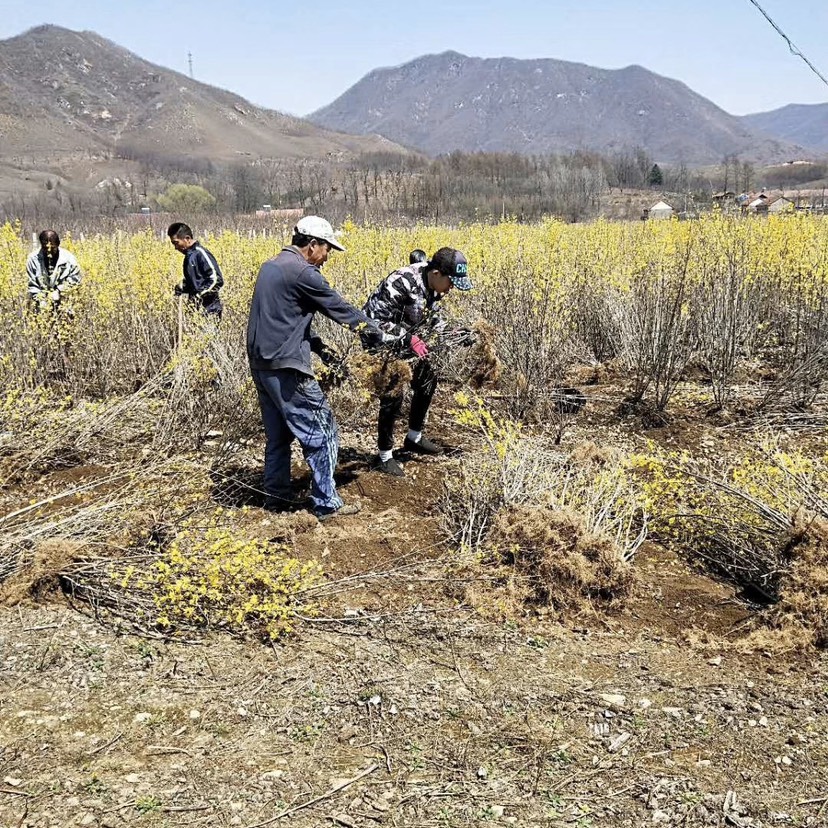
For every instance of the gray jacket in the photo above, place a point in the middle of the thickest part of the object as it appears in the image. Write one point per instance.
(65, 275)
(288, 293)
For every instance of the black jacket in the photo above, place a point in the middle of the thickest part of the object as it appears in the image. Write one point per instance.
(202, 275)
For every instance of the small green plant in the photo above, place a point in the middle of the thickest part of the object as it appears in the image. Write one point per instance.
(146, 804)
(562, 757)
(307, 733)
(94, 786)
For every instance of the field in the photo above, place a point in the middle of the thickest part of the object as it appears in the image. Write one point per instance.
(606, 604)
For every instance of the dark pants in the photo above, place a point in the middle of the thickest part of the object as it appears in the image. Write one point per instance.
(423, 384)
(293, 406)
(210, 305)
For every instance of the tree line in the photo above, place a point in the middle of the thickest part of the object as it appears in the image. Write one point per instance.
(371, 187)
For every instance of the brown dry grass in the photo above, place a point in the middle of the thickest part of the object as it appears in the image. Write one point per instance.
(563, 565)
(589, 453)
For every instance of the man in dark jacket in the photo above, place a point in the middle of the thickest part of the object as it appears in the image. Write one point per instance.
(202, 275)
(289, 290)
(405, 306)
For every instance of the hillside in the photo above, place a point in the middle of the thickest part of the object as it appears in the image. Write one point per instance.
(439, 103)
(65, 94)
(804, 124)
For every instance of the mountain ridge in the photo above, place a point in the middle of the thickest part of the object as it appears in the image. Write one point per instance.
(802, 123)
(450, 101)
(63, 91)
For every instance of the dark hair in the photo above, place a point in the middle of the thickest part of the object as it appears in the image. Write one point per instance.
(444, 261)
(301, 240)
(45, 235)
(416, 256)
(179, 230)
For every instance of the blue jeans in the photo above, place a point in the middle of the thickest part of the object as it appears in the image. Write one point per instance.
(293, 406)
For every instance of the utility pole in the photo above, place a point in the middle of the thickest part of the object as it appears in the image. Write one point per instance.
(190, 62)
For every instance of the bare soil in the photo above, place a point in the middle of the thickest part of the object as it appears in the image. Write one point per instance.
(402, 707)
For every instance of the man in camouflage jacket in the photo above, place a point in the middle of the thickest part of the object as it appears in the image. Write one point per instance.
(405, 305)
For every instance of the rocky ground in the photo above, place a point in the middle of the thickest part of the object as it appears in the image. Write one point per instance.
(402, 707)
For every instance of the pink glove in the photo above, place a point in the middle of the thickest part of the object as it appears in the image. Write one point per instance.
(419, 347)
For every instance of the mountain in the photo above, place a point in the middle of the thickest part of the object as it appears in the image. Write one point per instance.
(439, 103)
(805, 124)
(64, 93)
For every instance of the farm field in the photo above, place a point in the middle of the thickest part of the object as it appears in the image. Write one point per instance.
(606, 604)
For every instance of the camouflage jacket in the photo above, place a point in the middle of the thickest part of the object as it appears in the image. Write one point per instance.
(403, 304)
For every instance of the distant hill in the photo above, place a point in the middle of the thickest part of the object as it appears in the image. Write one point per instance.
(439, 103)
(804, 124)
(63, 93)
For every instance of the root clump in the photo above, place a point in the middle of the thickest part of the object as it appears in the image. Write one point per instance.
(562, 564)
(803, 600)
(380, 374)
(485, 365)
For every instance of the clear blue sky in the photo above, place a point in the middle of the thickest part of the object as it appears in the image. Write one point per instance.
(296, 61)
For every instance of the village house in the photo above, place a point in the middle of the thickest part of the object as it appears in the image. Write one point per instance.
(660, 210)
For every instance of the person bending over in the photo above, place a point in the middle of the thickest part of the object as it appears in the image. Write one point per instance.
(405, 305)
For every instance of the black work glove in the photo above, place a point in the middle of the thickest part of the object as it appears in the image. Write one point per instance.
(464, 337)
(330, 358)
(178, 290)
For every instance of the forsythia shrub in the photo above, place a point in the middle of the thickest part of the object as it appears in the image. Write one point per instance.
(552, 291)
(217, 579)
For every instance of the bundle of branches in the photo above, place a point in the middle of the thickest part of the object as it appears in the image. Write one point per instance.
(798, 383)
(205, 576)
(760, 522)
(468, 356)
(43, 432)
(206, 389)
(108, 511)
(517, 471)
(353, 377)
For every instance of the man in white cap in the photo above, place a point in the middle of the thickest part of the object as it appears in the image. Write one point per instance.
(289, 290)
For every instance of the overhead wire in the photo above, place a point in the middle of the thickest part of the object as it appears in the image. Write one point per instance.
(793, 49)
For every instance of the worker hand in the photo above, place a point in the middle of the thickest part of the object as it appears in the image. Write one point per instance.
(419, 347)
(55, 296)
(464, 337)
(178, 290)
(329, 356)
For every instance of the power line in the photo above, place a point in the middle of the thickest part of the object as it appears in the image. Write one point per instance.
(794, 50)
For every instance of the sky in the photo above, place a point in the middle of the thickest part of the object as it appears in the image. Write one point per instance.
(295, 61)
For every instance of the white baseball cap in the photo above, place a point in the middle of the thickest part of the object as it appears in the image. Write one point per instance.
(318, 228)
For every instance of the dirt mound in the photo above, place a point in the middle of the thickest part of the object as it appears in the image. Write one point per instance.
(39, 576)
(560, 563)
